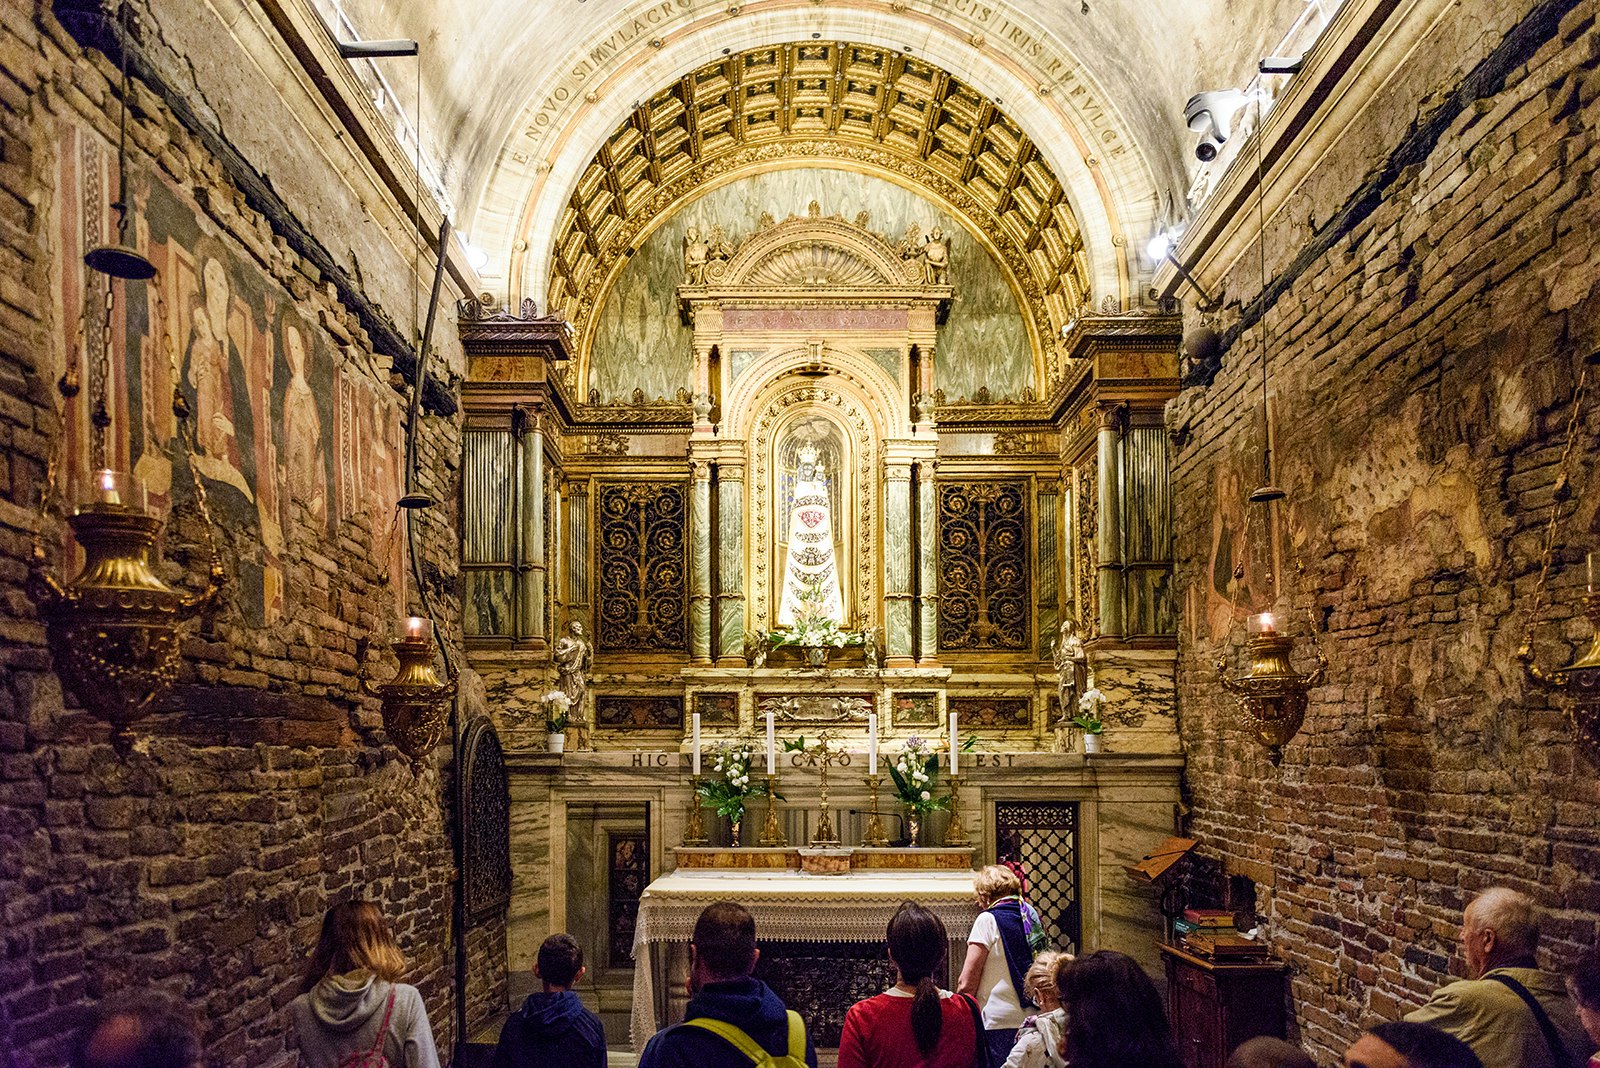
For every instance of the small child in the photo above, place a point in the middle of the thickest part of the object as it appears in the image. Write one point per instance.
(1039, 1038)
(553, 1029)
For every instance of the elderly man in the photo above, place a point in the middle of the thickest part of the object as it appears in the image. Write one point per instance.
(1511, 1013)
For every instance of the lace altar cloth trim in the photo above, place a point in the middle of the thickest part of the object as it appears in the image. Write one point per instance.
(788, 906)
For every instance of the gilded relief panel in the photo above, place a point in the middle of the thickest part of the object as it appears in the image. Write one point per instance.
(983, 565)
(642, 567)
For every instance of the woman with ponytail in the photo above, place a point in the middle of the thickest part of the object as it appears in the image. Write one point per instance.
(914, 1024)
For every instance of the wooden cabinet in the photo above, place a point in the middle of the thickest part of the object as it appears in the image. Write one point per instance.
(1214, 1007)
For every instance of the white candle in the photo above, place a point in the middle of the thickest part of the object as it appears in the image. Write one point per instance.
(954, 765)
(772, 746)
(872, 743)
(110, 487)
(1262, 624)
(695, 720)
(414, 627)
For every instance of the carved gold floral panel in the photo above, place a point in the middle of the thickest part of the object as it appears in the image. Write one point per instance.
(641, 566)
(983, 565)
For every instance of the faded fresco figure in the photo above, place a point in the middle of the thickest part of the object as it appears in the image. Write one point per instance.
(207, 361)
(304, 472)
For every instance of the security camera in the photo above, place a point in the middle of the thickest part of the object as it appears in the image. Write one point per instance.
(1211, 116)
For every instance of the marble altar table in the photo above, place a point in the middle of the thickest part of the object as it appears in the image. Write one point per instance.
(790, 907)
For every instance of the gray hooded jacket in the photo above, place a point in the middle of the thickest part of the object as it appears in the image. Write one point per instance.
(342, 1013)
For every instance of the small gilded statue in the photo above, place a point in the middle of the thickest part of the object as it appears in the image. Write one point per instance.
(936, 257)
(696, 251)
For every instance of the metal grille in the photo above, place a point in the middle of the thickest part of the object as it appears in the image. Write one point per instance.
(642, 566)
(821, 980)
(1042, 836)
(486, 803)
(628, 860)
(983, 565)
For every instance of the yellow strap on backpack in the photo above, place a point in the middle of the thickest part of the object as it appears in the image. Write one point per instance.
(757, 1053)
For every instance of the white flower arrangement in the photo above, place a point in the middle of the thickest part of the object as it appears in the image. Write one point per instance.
(556, 703)
(913, 771)
(1089, 705)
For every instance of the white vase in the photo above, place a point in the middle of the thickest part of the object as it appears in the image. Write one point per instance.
(1091, 743)
(556, 741)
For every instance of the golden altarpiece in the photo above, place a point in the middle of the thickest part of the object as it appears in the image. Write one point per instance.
(977, 544)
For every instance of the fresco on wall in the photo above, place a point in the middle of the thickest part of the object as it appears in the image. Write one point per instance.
(640, 342)
(271, 405)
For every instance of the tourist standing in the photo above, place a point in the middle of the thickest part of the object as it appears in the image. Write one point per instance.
(1583, 983)
(1039, 1038)
(1000, 950)
(733, 1018)
(1114, 1014)
(354, 1001)
(1510, 1011)
(914, 1024)
(553, 1029)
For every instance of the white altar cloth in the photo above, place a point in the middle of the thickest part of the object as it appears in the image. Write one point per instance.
(787, 906)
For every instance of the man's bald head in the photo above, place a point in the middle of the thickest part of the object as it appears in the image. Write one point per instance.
(1265, 1052)
(1499, 929)
(140, 1031)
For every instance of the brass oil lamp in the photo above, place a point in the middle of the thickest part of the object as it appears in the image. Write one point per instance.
(415, 701)
(1579, 681)
(1272, 694)
(113, 628)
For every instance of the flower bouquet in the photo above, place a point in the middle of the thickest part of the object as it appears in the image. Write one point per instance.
(914, 770)
(1089, 720)
(728, 788)
(556, 703)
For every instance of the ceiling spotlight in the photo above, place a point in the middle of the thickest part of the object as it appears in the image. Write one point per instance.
(816, 37)
(1160, 245)
(477, 259)
(377, 49)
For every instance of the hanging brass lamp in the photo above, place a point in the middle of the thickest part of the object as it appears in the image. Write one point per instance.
(415, 702)
(1577, 684)
(113, 628)
(1272, 694)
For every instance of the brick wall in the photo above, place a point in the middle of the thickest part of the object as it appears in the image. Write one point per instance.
(1433, 295)
(262, 790)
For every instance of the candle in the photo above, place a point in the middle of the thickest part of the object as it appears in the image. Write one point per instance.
(1262, 624)
(872, 743)
(695, 720)
(416, 629)
(954, 767)
(772, 746)
(110, 487)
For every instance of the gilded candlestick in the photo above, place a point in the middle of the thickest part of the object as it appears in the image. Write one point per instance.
(874, 836)
(772, 834)
(694, 833)
(956, 833)
(825, 836)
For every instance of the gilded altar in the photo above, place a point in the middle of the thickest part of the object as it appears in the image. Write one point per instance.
(817, 400)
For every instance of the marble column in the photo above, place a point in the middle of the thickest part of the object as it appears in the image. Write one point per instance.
(730, 565)
(533, 572)
(1109, 579)
(927, 564)
(700, 539)
(898, 640)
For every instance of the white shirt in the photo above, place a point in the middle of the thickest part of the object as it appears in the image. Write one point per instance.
(1002, 1010)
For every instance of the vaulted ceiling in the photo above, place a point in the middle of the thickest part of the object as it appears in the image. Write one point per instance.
(1057, 125)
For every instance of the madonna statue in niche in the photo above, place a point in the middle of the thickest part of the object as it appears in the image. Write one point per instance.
(811, 464)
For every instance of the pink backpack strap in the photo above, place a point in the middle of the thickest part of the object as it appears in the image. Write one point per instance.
(383, 1028)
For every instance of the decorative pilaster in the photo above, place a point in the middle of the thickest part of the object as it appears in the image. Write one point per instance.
(1110, 578)
(897, 555)
(578, 548)
(1047, 589)
(533, 573)
(700, 539)
(927, 565)
(730, 564)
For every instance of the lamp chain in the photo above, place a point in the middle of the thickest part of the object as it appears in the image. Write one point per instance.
(1562, 493)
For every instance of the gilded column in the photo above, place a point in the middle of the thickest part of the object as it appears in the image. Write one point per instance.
(730, 565)
(898, 608)
(578, 548)
(1109, 578)
(927, 563)
(1048, 587)
(533, 572)
(700, 539)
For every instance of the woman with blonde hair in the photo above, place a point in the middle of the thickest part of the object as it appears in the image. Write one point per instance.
(1000, 949)
(1039, 1038)
(353, 1004)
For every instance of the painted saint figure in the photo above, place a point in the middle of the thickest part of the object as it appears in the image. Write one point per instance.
(810, 572)
(304, 477)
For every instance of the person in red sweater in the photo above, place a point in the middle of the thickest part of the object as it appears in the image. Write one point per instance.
(914, 1024)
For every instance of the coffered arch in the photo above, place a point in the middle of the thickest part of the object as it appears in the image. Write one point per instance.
(858, 104)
